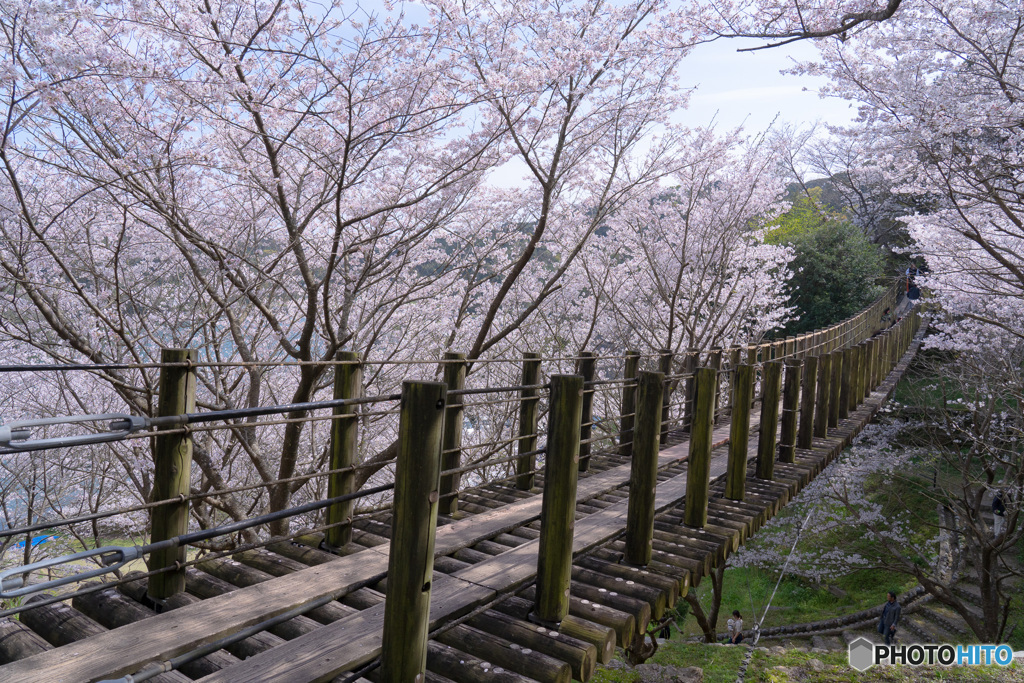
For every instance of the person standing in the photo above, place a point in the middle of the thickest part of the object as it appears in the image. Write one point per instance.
(998, 514)
(735, 625)
(890, 618)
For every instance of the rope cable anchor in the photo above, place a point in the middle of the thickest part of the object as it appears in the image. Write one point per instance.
(111, 558)
(16, 437)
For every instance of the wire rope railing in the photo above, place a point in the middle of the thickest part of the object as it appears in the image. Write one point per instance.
(489, 422)
(499, 441)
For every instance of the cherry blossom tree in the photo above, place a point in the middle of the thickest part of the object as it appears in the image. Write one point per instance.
(273, 183)
(262, 183)
(939, 88)
(693, 253)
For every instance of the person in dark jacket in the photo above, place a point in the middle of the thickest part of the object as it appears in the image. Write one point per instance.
(998, 514)
(890, 618)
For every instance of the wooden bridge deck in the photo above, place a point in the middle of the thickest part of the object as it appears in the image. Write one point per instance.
(487, 557)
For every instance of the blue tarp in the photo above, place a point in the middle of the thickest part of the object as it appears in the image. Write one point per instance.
(36, 540)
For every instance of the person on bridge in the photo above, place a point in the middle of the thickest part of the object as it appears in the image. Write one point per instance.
(735, 625)
(890, 618)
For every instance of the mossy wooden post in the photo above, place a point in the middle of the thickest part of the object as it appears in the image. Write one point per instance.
(790, 410)
(752, 354)
(873, 348)
(643, 473)
(772, 373)
(739, 432)
(451, 445)
(586, 366)
(172, 471)
(844, 383)
(715, 362)
(872, 366)
(880, 363)
(870, 352)
(348, 383)
(887, 365)
(557, 516)
(734, 362)
(665, 368)
(821, 400)
(857, 385)
(629, 389)
(805, 434)
(835, 388)
(689, 387)
(790, 347)
(413, 525)
(699, 462)
(528, 400)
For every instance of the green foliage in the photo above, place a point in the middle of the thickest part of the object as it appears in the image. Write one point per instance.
(798, 600)
(835, 268)
(721, 665)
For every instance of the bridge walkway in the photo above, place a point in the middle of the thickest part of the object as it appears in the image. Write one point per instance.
(484, 568)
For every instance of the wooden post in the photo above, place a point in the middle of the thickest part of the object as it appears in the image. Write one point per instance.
(715, 362)
(451, 445)
(821, 400)
(557, 516)
(857, 383)
(172, 471)
(699, 462)
(629, 390)
(876, 352)
(413, 526)
(844, 383)
(834, 388)
(348, 383)
(739, 432)
(665, 367)
(528, 400)
(790, 410)
(805, 435)
(586, 367)
(643, 474)
(886, 364)
(869, 367)
(790, 347)
(689, 388)
(734, 362)
(772, 373)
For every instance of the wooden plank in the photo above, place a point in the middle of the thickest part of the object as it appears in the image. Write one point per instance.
(127, 649)
(348, 643)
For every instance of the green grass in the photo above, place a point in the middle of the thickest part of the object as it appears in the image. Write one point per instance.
(721, 665)
(797, 600)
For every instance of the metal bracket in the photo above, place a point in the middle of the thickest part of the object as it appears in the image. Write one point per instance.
(16, 437)
(12, 583)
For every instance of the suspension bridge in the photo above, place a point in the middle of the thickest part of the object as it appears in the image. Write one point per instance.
(533, 576)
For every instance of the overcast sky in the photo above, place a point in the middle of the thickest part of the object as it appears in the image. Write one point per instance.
(747, 87)
(734, 88)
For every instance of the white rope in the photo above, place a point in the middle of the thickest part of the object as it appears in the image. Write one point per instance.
(757, 626)
(741, 675)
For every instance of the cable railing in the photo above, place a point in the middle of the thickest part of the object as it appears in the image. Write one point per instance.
(494, 445)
